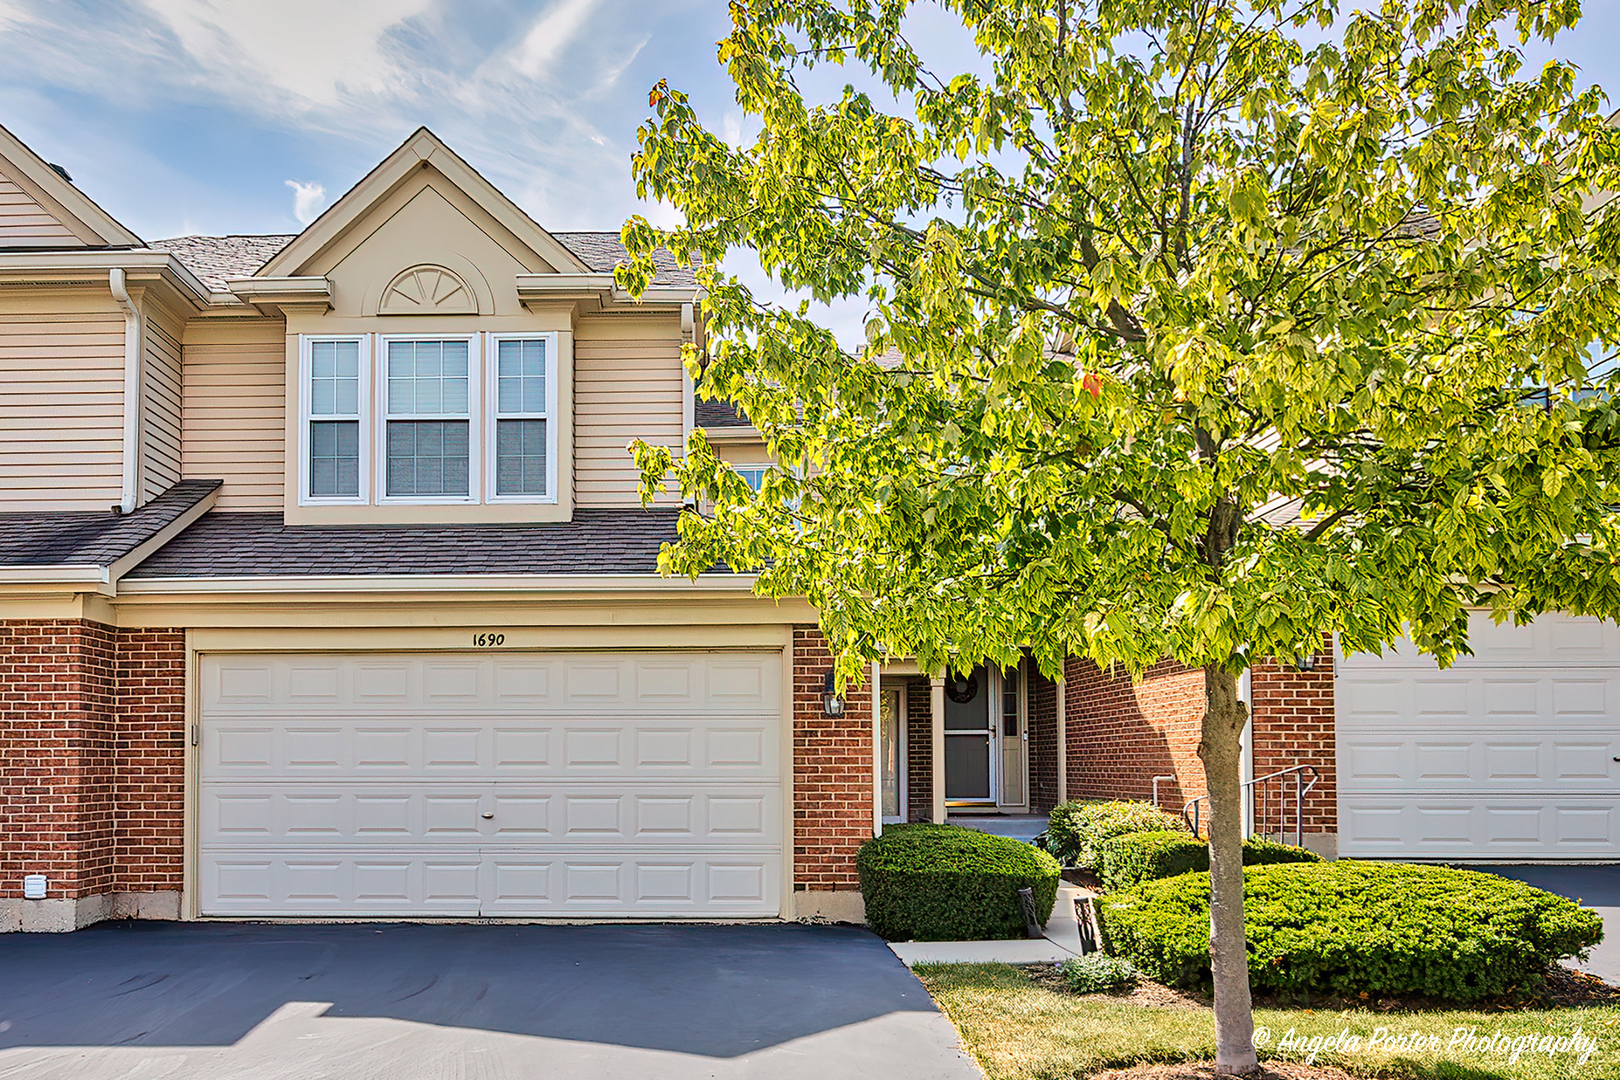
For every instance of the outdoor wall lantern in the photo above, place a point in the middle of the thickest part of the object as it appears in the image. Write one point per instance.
(831, 703)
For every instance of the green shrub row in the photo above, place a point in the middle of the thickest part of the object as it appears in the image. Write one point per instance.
(1147, 856)
(1347, 928)
(929, 882)
(1076, 830)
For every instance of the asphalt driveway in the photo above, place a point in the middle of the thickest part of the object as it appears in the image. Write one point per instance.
(369, 1002)
(1596, 887)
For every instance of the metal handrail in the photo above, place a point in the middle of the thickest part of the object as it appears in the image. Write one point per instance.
(1190, 812)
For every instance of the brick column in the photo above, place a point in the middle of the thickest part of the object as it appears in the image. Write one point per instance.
(1294, 724)
(832, 786)
(151, 773)
(57, 791)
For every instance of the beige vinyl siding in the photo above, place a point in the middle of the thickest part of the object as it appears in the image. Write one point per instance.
(61, 402)
(25, 223)
(234, 417)
(160, 403)
(627, 385)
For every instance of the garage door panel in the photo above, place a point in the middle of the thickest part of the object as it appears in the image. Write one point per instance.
(518, 784)
(1528, 826)
(1508, 754)
(1567, 760)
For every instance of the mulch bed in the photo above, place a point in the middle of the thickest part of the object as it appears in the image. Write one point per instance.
(1273, 1070)
(1563, 988)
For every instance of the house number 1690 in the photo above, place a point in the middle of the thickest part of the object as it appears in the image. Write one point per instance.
(485, 640)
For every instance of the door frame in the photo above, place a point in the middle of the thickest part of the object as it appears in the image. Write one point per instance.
(902, 701)
(992, 693)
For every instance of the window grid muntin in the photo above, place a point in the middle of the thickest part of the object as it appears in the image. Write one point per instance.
(334, 374)
(414, 397)
(538, 352)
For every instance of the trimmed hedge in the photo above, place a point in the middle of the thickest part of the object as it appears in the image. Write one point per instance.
(1147, 856)
(929, 882)
(1347, 927)
(1075, 830)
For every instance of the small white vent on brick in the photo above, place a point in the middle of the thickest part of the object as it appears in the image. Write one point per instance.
(34, 887)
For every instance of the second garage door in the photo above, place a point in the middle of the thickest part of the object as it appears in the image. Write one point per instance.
(1508, 754)
(505, 784)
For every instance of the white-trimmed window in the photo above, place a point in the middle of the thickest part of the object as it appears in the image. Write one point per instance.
(429, 398)
(753, 475)
(334, 377)
(446, 418)
(522, 405)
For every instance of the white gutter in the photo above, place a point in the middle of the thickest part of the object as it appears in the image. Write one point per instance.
(130, 494)
(590, 584)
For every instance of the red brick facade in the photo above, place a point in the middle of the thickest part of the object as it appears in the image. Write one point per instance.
(92, 757)
(152, 759)
(1123, 734)
(56, 755)
(1294, 725)
(832, 772)
(1043, 757)
(919, 749)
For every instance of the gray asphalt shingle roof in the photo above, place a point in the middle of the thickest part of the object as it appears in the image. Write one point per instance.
(718, 414)
(223, 544)
(216, 259)
(89, 538)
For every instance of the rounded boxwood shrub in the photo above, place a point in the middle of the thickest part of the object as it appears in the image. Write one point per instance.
(1347, 927)
(945, 883)
(1074, 830)
(1146, 856)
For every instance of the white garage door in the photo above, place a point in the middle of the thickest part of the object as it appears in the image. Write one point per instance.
(1508, 754)
(511, 784)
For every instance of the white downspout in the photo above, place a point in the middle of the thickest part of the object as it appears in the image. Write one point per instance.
(1246, 693)
(1063, 736)
(130, 493)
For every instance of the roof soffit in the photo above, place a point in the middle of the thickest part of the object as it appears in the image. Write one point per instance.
(89, 223)
(426, 159)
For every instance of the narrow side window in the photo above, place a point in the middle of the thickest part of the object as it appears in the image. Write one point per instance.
(334, 419)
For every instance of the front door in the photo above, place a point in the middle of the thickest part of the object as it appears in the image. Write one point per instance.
(970, 740)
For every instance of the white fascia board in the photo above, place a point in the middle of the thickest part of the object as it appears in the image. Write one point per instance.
(58, 264)
(55, 575)
(733, 433)
(586, 584)
(540, 285)
(280, 287)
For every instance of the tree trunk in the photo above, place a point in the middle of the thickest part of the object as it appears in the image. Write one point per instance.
(1221, 751)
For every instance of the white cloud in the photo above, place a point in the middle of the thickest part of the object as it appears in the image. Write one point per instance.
(308, 201)
(553, 30)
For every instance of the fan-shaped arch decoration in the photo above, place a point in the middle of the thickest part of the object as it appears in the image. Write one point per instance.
(428, 290)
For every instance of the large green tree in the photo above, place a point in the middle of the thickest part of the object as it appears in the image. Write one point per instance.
(1198, 328)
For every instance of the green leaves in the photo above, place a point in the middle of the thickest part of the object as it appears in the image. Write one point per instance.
(1194, 330)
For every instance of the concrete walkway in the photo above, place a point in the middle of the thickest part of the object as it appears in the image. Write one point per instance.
(205, 1001)
(1025, 827)
(1062, 941)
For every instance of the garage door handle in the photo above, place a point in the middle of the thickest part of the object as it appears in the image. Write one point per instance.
(486, 817)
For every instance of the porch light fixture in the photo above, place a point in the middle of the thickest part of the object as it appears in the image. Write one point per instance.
(831, 703)
(1306, 663)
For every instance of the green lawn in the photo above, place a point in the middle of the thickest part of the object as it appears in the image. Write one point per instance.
(1022, 1031)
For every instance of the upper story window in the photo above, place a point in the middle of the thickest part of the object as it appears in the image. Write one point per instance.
(461, 418)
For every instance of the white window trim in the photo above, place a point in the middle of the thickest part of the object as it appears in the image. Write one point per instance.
(306, 417)
(491, 389)
(379, 438)
(739, 466)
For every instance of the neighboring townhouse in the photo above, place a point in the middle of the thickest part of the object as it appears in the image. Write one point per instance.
(326, 590)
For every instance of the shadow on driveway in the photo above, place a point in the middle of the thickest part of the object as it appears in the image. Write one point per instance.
(714, 991)
(1596, 887)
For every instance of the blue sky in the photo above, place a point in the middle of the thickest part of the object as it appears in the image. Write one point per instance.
(211, 116)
